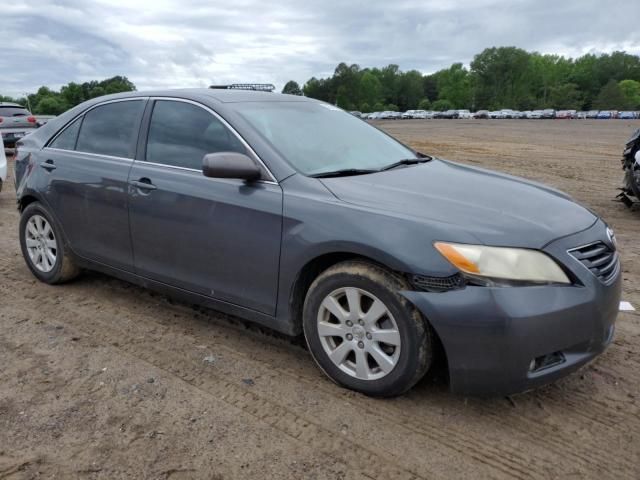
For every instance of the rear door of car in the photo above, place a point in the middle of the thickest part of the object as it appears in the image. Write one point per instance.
(83, 175)
(216, 237)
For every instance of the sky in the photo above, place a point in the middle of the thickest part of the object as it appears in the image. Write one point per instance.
(191, 43)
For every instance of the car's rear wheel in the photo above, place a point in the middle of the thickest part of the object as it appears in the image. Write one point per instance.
(43, 247)
(362, 333)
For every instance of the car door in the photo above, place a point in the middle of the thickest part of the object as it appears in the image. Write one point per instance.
(85, 171)
(216, 237)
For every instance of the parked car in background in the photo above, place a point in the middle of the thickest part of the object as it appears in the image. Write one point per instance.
(324, 226)
(409, 114)
(627, 115)
(355, 113)
(374, 115)
(15, 122)
(497, 114)
(483, 114)
(581, 115)
(422, 114)
(593, 113)
(604, 115)
(464, 114)
(3, 168)
(450, 114)
(536, 114)
(548, 113)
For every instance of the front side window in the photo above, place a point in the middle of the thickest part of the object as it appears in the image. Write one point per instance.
(181, 134)
(316, 137)
(67, 139)
(111, 129)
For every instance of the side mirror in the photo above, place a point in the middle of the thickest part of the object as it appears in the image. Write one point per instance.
(230, 165)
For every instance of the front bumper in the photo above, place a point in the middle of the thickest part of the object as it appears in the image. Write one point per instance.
(491, 335)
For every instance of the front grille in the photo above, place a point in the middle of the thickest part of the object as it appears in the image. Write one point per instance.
(437, 284)
(599, 258)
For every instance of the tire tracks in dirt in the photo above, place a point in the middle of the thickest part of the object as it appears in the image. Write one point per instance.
(506, 459)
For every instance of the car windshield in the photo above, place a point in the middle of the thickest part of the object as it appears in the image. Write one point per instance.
(317, 138)
(11, 111)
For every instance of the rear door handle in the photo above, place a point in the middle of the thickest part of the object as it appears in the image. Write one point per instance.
(143, 184)
(48, 165)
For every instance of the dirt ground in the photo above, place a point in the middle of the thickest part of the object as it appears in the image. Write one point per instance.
(101, 379)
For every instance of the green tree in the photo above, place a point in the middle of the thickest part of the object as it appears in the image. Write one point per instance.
(424, 104)
(500, 75)
(430, 87)
(391, 107)
(566, 96)
(318, 89)
(611, 97)
(442, 104)
(342, 98)
(72, 93)
(631, 91)
(389, 76)
(370, 88)
(292, 88)
(50, 105)
(378, 107)
(454, 84)
(410, 90)
(365, 108)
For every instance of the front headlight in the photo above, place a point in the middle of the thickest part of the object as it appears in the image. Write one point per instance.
(517, 264)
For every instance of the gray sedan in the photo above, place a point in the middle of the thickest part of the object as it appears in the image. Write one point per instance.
(294, 214)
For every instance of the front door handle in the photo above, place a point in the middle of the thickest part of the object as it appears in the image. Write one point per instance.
(143, 184)
(48, 165)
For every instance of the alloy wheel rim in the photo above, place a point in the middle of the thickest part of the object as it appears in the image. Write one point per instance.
(358, 333)
(41, 243)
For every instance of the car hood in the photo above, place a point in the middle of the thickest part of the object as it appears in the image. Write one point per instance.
(495, 208)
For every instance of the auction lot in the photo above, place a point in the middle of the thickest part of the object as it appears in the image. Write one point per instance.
(102, 379)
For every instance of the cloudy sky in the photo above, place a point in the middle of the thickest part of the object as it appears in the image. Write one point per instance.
(184, 43)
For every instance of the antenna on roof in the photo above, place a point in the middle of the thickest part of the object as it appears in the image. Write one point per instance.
(261, 87)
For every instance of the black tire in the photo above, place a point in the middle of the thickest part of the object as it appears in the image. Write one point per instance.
(416, 347)
(64, 269)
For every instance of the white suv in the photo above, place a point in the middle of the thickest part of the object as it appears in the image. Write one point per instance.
(464, 114)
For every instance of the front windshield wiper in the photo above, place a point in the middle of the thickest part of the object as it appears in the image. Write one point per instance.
(347, 172)
(406, 161)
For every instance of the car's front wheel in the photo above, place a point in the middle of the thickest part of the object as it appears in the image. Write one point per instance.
(362, 333)
(43, 247)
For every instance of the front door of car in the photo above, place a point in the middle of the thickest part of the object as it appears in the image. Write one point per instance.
(83, 174)
(216, 237)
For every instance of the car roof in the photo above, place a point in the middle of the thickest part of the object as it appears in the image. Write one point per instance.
(220, 95)
(9, 104)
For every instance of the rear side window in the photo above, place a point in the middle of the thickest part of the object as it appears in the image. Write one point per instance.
(13, 112)
(181, 134)
(111, 129)
(67, 139)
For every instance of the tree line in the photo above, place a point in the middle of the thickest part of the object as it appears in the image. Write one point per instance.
(498, 77)
(50, 102)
